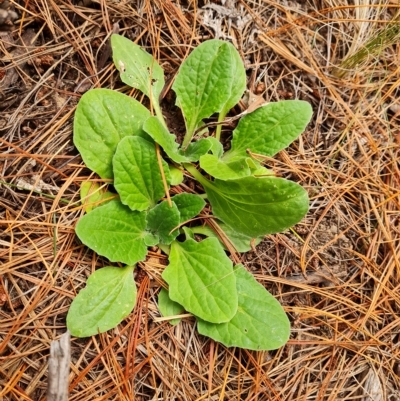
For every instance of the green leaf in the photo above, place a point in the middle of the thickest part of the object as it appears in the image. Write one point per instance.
(197, 149)
(114, 231)
(92, 195)
(232, 170)
(241, 242)
(260, 322)
(238, 81)
(162, 219)
(137, 68)
(103, 117)
(269, 129)
(107, 299)
(257, 206)
(151, 239)
(188, 233)
(176, 175)
(222, 170)
(216, 146)
(160, 134)
(212, 79)
(168, 307)
(189, 205)
(137, 176)
(262, 171)
(201, 279)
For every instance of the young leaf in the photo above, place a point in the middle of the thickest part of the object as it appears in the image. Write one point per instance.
(92, 195)
(260, 323)
(103, 117)
(216, 147)
(197, 149)
(189, 205)
(269, 129)
(137, 176)
(176, 175)
(168, 307)
(212, 79)
(107, 299)
(160, 134)
(166, 140)
(114, 231)
(162, 219)
(222, 170)
(151, 239)
(232, 170)
(257, 206)
(201, 279)
(137, 67)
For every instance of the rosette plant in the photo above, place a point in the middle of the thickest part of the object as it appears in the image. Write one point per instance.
(238, 201)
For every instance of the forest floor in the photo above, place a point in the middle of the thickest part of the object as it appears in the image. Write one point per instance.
(336, 273)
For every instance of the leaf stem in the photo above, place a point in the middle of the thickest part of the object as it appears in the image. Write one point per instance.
(221, 118)
(186, 140)
(164, 180)
(159, 113)
(193, 171)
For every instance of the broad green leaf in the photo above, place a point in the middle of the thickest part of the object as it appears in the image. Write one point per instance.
(103, 117)
(241, 242)
(238, 83)
(212, 79)
(107, 299)
(168, 307)
(114, 231)
(257, 206)
(269, 129)
(176, 175)
(92, 195)
(137, 67)
(222, 170)
(201, 279)
(162, 219)
(260, 323)
(189, 205)
(137, 176)
(160, 134)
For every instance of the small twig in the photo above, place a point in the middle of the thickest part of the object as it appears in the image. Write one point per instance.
(60, 357)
